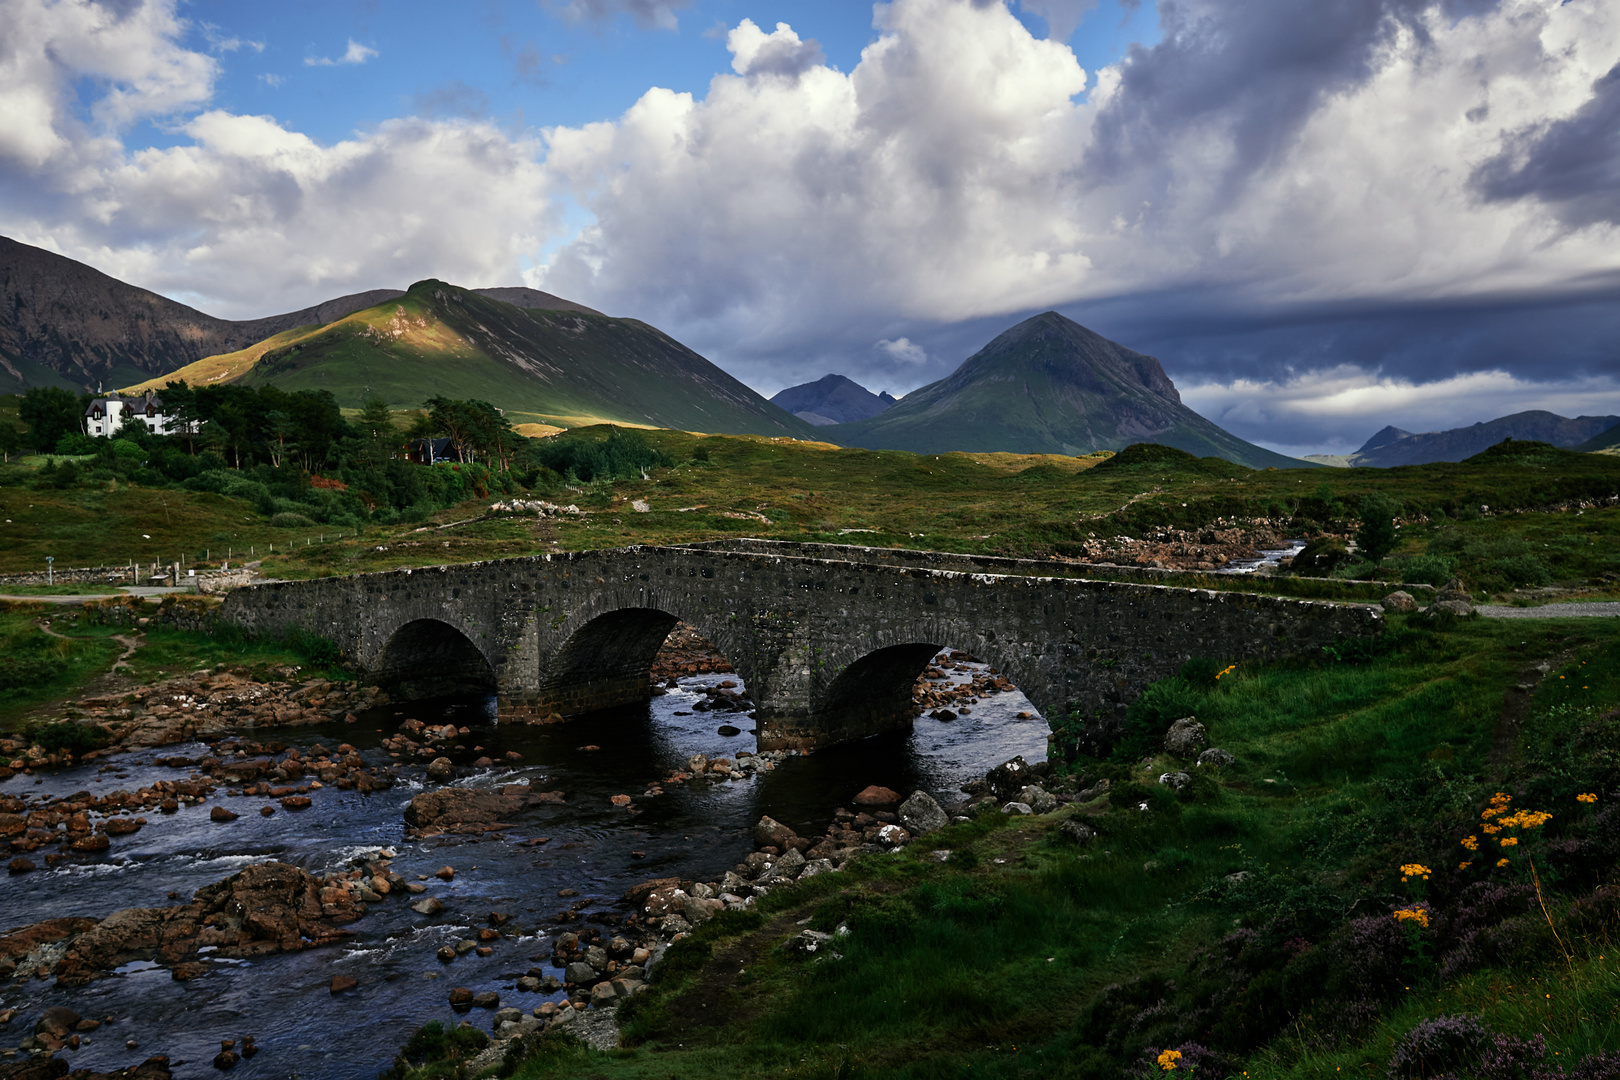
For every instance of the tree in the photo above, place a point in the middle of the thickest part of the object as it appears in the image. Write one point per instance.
(1377, 536)
(456, 421)
(50, 413)
(376, 422)
(283, 431)
(180, 401)
(11, 440)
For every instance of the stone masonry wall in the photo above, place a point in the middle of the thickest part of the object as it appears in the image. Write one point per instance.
(574, 632)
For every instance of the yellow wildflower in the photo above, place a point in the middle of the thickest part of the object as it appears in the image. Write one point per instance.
(1411, 870)
(1471, 843)
(1501, 862)
(1417, 915)
(1588, 796)
(1508, 841)
(1168, 1059)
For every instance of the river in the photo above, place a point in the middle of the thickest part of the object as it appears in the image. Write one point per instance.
(694, 831)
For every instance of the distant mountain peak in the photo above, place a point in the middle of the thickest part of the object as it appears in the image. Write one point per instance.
(1392, 446)
(1387, 435)
(832, 399)
(1049, 385)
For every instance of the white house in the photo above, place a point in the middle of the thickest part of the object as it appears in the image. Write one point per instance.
(104, 416)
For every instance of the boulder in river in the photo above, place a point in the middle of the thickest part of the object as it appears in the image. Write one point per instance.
(467, 810)
(220, 814)
(269, 908)
(873, 795)
(342, 983)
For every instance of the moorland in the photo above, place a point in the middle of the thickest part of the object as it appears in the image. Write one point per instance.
(1407, 868)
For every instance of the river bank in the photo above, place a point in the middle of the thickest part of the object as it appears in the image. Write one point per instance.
(628, 805)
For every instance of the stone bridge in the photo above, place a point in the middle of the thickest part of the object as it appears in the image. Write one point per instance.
(828, 638)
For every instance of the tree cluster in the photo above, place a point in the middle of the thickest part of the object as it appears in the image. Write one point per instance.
(292, 454)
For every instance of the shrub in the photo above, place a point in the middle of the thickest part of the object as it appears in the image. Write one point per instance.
(1150, 716)
(1377, 536)
(1428, 569)
(128, 450)
(66, 735)
(31, 661)
(287, 519)
(1202, 673)
(1521, 570)
(76, 443)
(1445, 1044)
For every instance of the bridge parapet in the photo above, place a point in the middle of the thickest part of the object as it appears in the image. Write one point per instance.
(829, 646)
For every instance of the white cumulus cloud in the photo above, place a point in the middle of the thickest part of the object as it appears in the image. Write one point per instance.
(904, 350)
(356, 53)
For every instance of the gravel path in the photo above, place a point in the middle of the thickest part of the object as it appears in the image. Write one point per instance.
(1601, 609)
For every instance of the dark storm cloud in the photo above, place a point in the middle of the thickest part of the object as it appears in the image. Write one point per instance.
(1252, 73)
(1572, 164)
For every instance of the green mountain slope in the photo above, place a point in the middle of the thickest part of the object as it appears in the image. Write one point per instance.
(1049, 385)
(569, 365)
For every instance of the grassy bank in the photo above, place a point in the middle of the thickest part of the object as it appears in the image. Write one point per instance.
(1245, 922)
(49, 653)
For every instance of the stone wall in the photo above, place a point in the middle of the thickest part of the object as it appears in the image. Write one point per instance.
(828, 646)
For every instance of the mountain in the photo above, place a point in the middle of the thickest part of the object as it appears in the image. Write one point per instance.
(571, 365)
(63, 323)
(1608, 441)
(1392, 446)
(832, 399)
(1049, 385)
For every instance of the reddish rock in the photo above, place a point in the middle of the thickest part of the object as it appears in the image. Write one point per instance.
(57, 1020)
(219, 813)
(20, 865)
(445, 873)
(266, 811)
(123, 826)
(461, 995)
(295, 802)
(620, 800)
(877, 796)
(769, 832)
(342, 984)
(91, 843)
(263, 909)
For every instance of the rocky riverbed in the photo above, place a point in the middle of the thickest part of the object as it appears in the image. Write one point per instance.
(310, 871)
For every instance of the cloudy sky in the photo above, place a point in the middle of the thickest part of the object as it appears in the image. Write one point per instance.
(1322, 215)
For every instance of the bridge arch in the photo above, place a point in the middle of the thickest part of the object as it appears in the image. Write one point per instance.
(606, 658)
(872, 693)
(430, 658)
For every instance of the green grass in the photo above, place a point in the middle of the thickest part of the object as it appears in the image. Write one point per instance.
(36, 667)
(39, 669)
(77, 589)
(995, 504)
(1039, 958)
